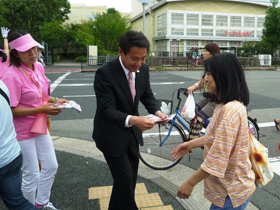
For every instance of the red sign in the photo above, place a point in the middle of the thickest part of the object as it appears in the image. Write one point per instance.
(237, 33)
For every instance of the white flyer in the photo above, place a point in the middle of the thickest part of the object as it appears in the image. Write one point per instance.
(158, 119)
(70, 104)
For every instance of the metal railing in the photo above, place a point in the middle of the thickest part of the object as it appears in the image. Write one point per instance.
(96, 62)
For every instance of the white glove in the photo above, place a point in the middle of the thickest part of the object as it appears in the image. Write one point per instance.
(4, 32)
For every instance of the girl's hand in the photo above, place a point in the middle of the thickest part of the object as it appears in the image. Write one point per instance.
(60, 101)
(181, 150)
(49, 109)
(191, 89)
(185, 190)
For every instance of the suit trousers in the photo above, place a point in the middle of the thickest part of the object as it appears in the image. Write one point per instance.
(124, 172)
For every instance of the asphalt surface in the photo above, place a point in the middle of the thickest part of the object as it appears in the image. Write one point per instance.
(81, 166)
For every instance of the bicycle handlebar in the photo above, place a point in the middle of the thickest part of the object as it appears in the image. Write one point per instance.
(181, 90)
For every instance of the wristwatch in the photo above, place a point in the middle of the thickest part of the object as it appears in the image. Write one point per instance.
(196, 84)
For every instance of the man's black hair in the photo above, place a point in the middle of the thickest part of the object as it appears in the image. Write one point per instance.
(133, 39)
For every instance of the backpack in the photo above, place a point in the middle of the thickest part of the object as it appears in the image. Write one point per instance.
(5, 96)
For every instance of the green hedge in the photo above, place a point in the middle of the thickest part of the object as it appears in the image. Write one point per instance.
(78, 59)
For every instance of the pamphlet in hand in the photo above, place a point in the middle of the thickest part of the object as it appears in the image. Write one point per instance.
(158, 119)
(70, 104)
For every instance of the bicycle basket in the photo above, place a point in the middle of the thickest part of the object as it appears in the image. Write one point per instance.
(166, 106)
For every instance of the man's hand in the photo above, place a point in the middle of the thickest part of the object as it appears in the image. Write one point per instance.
(4, 32)
(144, 123)
(162, 116)
(278, 147)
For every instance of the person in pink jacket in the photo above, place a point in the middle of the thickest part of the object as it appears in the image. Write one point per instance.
(4, 52)
(31, 101)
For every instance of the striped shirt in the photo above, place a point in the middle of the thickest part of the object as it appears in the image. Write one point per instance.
(226, 156)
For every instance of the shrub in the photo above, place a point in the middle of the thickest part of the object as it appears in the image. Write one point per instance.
(79, 58)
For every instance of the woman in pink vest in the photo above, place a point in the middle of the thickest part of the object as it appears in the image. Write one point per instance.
(31, 101)
(4, 52)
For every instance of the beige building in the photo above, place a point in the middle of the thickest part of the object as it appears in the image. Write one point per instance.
(175, 27)
(82, 12)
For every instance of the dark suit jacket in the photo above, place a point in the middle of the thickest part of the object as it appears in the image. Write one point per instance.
(114, 104)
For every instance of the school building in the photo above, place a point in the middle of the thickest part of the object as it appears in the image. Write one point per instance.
(176, 27)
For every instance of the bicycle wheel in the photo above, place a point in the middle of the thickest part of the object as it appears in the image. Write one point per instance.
(155, 155)
(253, 127)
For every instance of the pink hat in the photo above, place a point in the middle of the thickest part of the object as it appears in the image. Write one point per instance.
(23, 43)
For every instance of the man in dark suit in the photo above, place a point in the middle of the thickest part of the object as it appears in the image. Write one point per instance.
(117, 124)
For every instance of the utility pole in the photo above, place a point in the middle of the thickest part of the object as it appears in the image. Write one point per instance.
(144, 2)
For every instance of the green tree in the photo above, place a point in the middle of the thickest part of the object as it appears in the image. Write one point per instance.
(84, 35)
(271, 31)
(109, 27)
(29, 15)
(59, 35)
(251, 48)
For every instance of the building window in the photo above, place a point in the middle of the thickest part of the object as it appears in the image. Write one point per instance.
(161, 24)
(192, 32)
(235, 44)
(259, 34)
(221, 20)
(177, 19)
(161, 31)
(221, 43)
(252, 33)
(177, 31)
(159, 21)
(192, 43)
(220, 32)
(235, 21)
(207, 20)
(260, 22)
(192, 20)
(249, 22)
(206, 32)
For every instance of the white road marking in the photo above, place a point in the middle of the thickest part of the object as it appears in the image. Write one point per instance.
(91, 84)
(76, 85)
(275, 164)
(167, 83)
(78, 96)
(80, 79)
(267, 124)
(58, 81)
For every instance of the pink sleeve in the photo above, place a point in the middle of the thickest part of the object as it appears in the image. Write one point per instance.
(15, 90)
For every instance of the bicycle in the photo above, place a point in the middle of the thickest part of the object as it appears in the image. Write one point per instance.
(162, 139)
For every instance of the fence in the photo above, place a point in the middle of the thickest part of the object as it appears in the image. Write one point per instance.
(95, 62)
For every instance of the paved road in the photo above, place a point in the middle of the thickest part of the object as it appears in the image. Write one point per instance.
(77, 173)
(264, 106)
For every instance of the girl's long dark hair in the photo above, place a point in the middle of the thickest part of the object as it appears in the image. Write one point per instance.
(3, 55)
(229, 77)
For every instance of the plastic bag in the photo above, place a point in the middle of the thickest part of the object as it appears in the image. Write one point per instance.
(193, 56)
(188, 111)
(260, 163)
(166, 109)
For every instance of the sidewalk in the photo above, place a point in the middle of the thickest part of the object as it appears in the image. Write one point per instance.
(82, 166)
